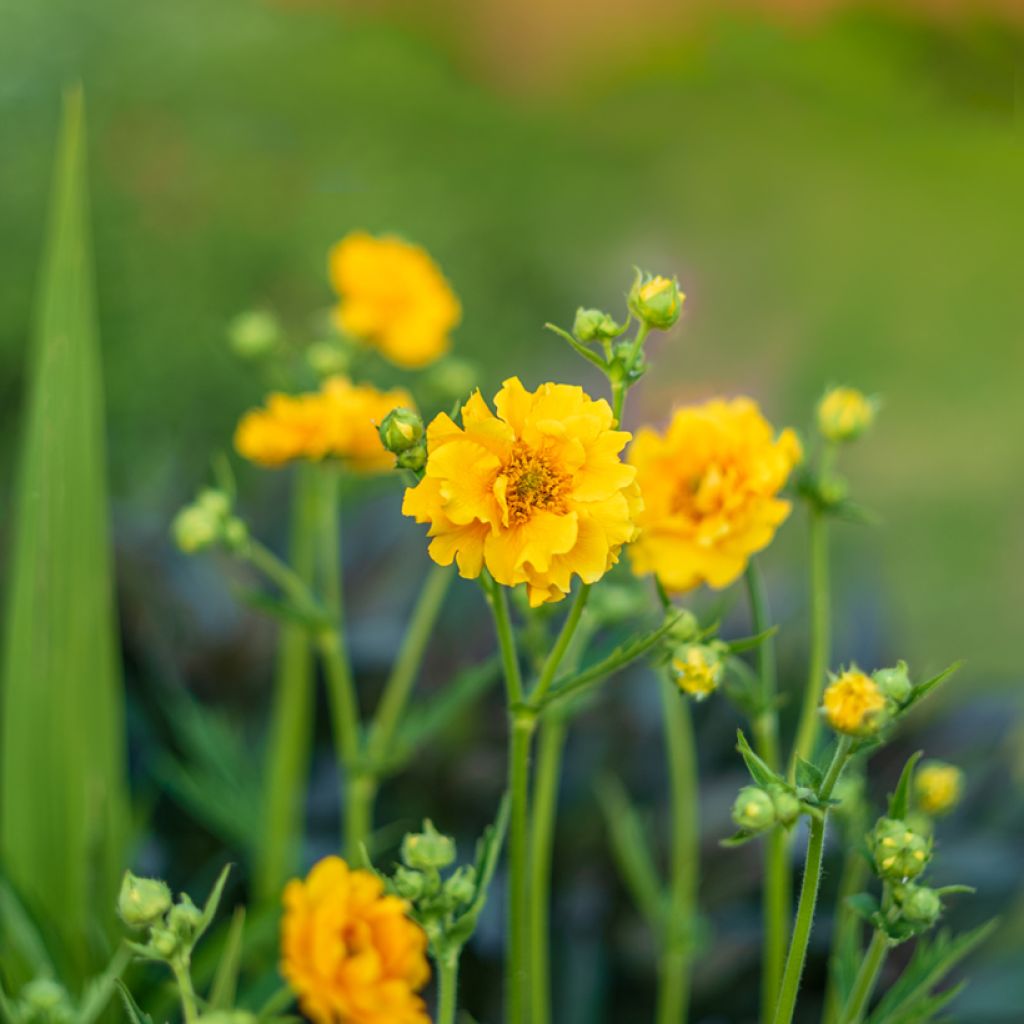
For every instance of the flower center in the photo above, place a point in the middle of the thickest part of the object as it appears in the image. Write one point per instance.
(534, 484)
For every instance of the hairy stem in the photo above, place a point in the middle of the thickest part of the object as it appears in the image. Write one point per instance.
(866, 978)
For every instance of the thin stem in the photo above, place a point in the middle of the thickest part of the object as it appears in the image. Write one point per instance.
(410, 657)
(845, 932)
(866, 978)
(807, 729)
(498, 601)
(545, 801)
(183, 978)
(554, 659)
(517, 965)
(677, 935)
(797, 955)
(776, 897)
(447, 987)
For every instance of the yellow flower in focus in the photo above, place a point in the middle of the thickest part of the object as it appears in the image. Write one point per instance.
(937, 787)
(535, 494)
(844, 414)
(854, 704)
(338, 421)
(349, 952)
(697, 669)
(710, 488)
(393, 296)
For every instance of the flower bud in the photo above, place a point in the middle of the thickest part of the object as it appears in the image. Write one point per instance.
(899, 852)
(854, 704)
(461, 886)
(408, 884)
(754, 809)
(894, 682)
(195, 530)
(594, 325)
(844, 414)
(918, 904)
(142, 901)
(685, 628)
(937, 787)
(184, 918)
(327, 359)
(428, 850)
(45, 1001)
(164, 942)
(697, 669)
(254, 333)
(401, 430)
(787, 806)
(656, 300)
(235, 534)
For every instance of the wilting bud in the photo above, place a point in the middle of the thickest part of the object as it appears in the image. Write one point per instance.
(401, 430)
(894, 682)
(327, 359)
(898, 850)
(854, 704)
(461, 886)
(184, 918)
(657, 301)
(428, 850)
(697, 669)
(142, 901)
(254, 333)
(937, 787)
(754, 809)
(594, 325)
(787, 806)
(918, 904)
(844, 414)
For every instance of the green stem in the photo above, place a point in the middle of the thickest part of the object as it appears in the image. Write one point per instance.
(183, 978)
(807, 729)
(554, 659)
(866, 978)
(677, 934)
(545, 803)
(498, 601)
(845, 932)
(776, 896)
(407, 665)
(291, 720)
(797, 955)
(447, 988)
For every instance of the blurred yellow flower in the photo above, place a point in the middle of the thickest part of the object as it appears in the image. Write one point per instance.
(937, 787)
(697, 669)
(710, 488)
(535, 494)
(854, 704)
(393, 296)
(844, 414)
(338, 421)
(349, 952)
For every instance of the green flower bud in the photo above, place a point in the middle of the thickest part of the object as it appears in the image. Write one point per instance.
(164, 942)
(460, 887)
(235, 534)
(754, 809)
(414, 459)
(894, 682)
(899, 852)
(428, 850)
(594, 325)
(833, 489)
(142, 901)
(327, 358)
(656, 300)
(918, 904)
(844, 414)
(184, 918)
(410, 885)
(214, 503)
(401, 430)
(194, 530)
(254, 333)
(686, 627)
(787, 806)
(45, 1001)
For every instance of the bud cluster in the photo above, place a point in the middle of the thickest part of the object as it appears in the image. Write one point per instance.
(758, 808)
(899, 851)
(43, 1001)
(207, 522)
(172, 928)
(402, 433)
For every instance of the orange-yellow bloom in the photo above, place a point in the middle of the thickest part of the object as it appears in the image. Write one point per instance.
(393, 296)
(338, 421)
(349, 952)
(854, 704)
(710, 488)
(535, 494)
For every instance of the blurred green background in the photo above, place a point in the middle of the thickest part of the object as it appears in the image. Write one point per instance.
(841, 197)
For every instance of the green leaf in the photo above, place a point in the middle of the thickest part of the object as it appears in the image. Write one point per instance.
(809, 775)
(6, 1010)
(98, 990)
(899, 801)
(631, 851)
(759, 770)
(923, 689)
(225, 981)
(131, 1008)
(618, 659)
(749, 643)
(21, 934)
(212, 903)
(284, 610)
(62, 744)
(739, 839)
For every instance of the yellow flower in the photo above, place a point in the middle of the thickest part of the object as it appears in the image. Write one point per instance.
(349, 952)
(536, 494)
(854, 704)
(937, 787)
(394, 297)
(697, 669)
(844, 414)
(710, 487)
(338, 421)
